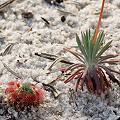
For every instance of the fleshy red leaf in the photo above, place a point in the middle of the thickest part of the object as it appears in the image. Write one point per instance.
(73, 75)
(78, 81)
(105, 79)
(39, 93)
(97, 82)
(11, 83)
(10, 90)
(90, 82)
(14, 96)
(82, 82)
(25, 95)
(102, 83)
(87, 84)
(63, 69)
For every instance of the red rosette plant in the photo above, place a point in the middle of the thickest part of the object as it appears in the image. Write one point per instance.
(21, 94)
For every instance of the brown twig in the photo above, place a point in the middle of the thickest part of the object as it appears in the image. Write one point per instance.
(6, 4)
(11, 71)
(52, 57)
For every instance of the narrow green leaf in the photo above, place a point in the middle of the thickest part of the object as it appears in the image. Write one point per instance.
(100, 40)
(93, 53)
(82, 49)
(103, 50)
(97, 45)
(92, 41)
(89, 34)
(85, 42)
(89, 55)
(91, 46)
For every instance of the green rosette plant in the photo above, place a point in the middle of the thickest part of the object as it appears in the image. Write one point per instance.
(90, 69)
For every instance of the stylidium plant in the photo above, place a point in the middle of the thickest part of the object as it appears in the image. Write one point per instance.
(21, 94)
(90, 69)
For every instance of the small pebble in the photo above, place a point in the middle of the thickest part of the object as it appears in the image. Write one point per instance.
(53, 1)
(63, 18)
(59, 1)
(28, 42)
(27, 15)
(15, 114)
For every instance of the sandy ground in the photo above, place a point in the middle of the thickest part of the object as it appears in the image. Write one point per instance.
(29, 36)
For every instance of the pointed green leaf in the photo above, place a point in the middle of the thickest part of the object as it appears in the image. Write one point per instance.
(82, 49)
(98, 44)
(89, 35)
(100, 40)
(103, 50)
(85, 42)
(91, 46)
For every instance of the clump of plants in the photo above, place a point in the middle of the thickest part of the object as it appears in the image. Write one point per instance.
(90, 69)
(22, 94)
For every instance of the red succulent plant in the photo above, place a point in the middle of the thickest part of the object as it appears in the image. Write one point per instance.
(21, 94)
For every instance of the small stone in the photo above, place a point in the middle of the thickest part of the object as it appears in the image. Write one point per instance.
(27, 15)
(1, 111)
(28, 42)
(63, 18)
(10, 110)
(15, 114)
(59, 1)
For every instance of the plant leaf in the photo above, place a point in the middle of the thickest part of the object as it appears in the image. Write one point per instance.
(104, 67)
(78, 81)
(110, 61)
(98, 44)
(112, 77)
(105, 79)
(82, 82)
(82, 49)
(74, 54)
(97, 82)
(87, 84)
(102, 50)
(105, 57)
(90, 82)
(85, 41)
(91, 46)
(77, 66)
(102, 83)
(73, 75)
(71, 67)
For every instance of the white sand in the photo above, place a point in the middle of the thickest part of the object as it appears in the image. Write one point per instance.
(51, 39)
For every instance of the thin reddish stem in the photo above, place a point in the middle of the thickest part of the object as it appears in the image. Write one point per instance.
(99, 22)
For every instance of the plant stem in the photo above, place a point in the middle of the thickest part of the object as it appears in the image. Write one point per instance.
(99, 22)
